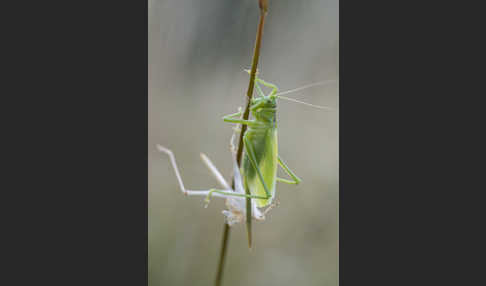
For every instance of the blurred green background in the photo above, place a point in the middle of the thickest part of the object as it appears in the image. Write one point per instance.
(197, 53)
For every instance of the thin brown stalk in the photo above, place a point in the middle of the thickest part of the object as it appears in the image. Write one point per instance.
(263, 5)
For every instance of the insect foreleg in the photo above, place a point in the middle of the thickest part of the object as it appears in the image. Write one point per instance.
(233, 115)
(267, 84)
(295, 179)
(231, 119)
(259, 90)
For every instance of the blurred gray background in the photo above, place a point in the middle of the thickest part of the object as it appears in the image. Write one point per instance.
(197, 53)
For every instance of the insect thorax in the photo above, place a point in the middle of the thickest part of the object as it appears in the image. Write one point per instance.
(267, 112)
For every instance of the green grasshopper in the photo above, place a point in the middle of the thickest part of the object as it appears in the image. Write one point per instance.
(258, 172)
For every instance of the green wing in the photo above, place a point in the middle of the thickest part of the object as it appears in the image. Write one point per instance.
(266, 151)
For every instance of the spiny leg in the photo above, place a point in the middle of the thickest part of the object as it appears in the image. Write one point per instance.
(174, 165)
(233, 115)
(214, 171)
(233, 194)
(267, 84)
(179, 178)
(231, 119)
(259, 90)
(225, 193)
(217, 192)
(222, 192)
(295, 179)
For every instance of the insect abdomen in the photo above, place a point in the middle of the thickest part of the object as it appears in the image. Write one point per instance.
(265, 144)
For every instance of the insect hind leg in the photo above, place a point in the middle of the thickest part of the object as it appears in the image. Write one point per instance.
(209, 164)
(295, 180)
(214, 171)
(223, 193)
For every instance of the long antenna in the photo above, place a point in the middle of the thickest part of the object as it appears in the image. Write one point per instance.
(306, 86)
(305, 103)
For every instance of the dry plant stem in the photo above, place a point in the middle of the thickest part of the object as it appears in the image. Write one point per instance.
(222, 254)
(246, 114)
(263, 4)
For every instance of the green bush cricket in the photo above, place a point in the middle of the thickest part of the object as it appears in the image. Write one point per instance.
(258, 172)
